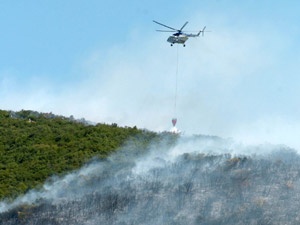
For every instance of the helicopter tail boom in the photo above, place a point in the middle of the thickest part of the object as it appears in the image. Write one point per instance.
(198, 34)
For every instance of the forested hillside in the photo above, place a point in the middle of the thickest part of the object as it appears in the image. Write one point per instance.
(35, 146)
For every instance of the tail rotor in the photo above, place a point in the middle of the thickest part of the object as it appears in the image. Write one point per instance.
(203, 31)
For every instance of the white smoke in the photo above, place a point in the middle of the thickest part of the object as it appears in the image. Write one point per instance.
(131, 165)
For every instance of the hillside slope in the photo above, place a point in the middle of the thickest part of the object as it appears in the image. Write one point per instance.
(200, 180)
(35, 146)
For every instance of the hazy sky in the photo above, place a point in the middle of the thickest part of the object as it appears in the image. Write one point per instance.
(104, 61)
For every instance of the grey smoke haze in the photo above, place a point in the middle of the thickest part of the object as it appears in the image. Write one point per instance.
(200, 180)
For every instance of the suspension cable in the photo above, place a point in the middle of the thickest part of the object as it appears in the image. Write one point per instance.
(174, 120)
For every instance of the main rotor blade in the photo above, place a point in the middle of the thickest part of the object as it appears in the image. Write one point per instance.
(165, 25)
(165, 31)
(183, 25)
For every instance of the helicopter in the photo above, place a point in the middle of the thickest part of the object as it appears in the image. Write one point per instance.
(179, 37)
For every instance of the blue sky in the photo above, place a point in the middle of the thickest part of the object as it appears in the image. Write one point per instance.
(103, 60)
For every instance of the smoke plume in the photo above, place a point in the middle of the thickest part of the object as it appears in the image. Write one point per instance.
(198, 180)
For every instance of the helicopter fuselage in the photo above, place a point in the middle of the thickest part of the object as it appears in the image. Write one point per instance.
(180, 39)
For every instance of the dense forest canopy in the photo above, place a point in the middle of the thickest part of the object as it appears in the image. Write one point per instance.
(35, 146)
